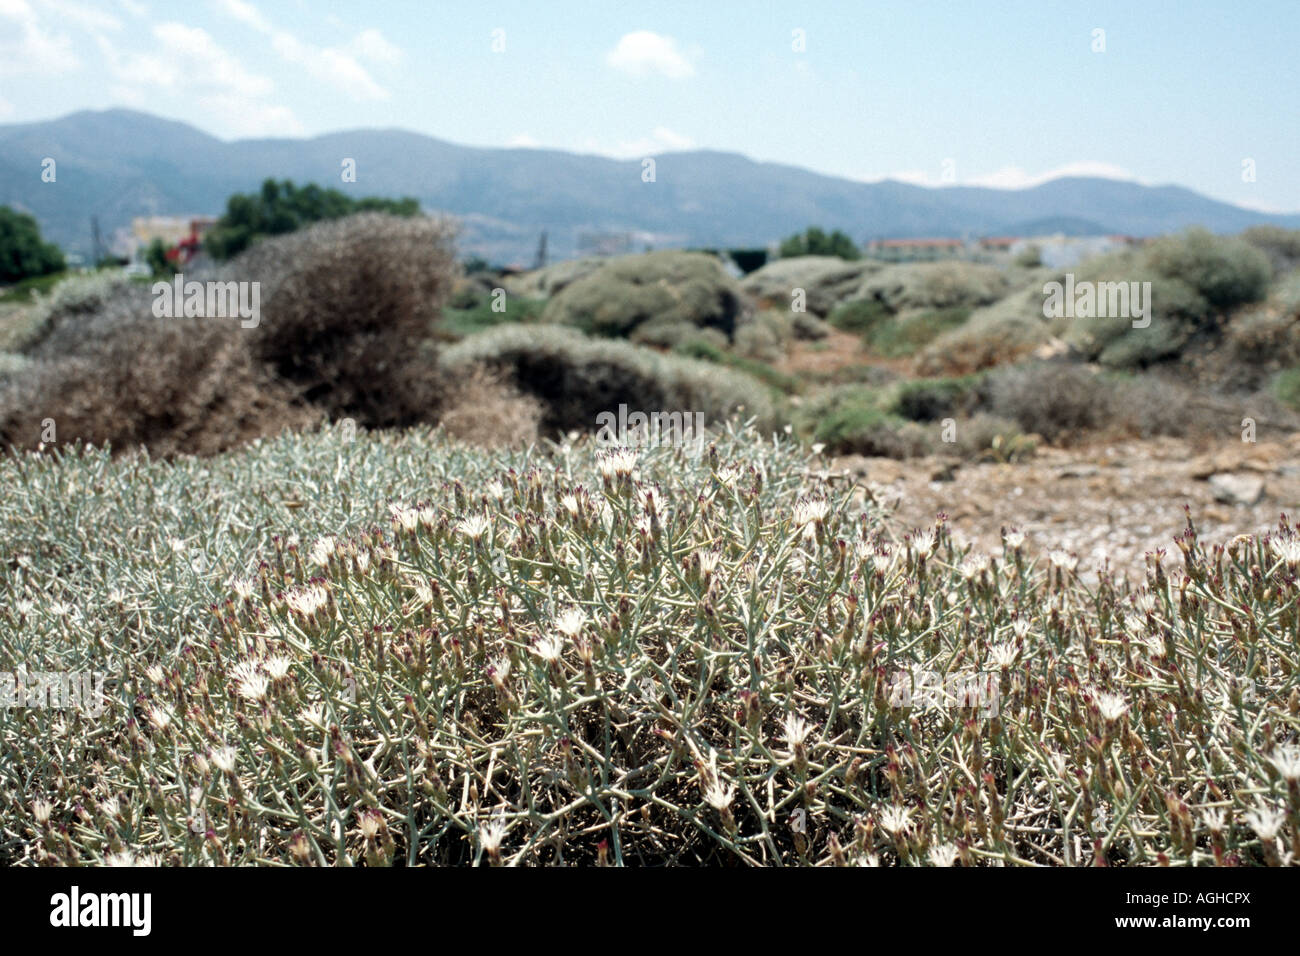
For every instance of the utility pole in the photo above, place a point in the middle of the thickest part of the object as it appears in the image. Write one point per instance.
(540, 261)
(97, 242)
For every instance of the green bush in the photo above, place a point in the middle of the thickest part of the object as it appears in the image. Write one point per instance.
(638, 296)
(1282, 246)
(935, 285)
(577, 378)
(907, 334)
(816, 242)
(1226, 271)
(860, 316)
(282, 207)
(1286, 388)
(928, 400)
(23, 253)
(459, 321)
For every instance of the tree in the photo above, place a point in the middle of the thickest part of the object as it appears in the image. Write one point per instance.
(280, 207)
(155, 257)
(23, 253)
(815, 242)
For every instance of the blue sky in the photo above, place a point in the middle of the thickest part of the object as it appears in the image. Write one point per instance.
(1004, 93)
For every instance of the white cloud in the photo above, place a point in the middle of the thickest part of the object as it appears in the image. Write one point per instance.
(374, 46)
(81, 15)
(1013, 177)
(188, 63)
(523, 141)
(642, 52)
(246, 117)
(27, 45)
(337, 67)
(660, 140)
(245, 13)
(1009, 177)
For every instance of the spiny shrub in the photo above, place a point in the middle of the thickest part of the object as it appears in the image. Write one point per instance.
(577, 378)
(347, 305)
(823, 281)
(75, 296)
(935, 285)
(345, 309)
(1057, 401)
(613, 658)
(639, 296)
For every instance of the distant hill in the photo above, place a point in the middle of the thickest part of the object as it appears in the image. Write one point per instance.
(117, 164)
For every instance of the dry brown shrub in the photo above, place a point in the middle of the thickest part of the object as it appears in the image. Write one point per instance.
(484, 409)
(346, 310)
(182, 387)
(347, 306)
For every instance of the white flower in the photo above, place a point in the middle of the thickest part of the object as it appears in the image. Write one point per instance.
(923, 541)
(405, 518)
(944, 855)
(616, 462)
(729, 474)
(495, 490)
(1288, 549)
(972, 566)
(224, 758)
(155, 673)
(160, 717)
(570, 622)
(253, 687)
(490, 836)
(321, 552)
(549, 648)
(719, 797)
(709, 561)
(41, 810)
(570, 504)
(277, 668)
(1112, 707)
(243, 588)
(314, 714)
(307, 601)
(1287, 761)
(1003, 655)
(1214, 820)
(1063, 560)
(1013, 539)
(1265, 822)
(369, 823)
(896, 819)
(1021, 627)
(810, 510)
(796, 730)
(475, 526)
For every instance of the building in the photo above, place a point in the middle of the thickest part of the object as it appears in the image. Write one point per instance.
(915, 250)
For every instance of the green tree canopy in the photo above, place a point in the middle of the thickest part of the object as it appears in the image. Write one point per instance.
(281, 207)
(23, 253)
(815, 242)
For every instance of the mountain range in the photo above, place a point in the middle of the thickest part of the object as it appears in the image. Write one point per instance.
(116, 164)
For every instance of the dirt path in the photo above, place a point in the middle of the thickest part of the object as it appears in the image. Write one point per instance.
(1118, 500)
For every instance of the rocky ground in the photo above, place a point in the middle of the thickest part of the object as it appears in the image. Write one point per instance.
(1115, 500)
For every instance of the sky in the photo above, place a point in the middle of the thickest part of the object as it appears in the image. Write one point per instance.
(1003, 94)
